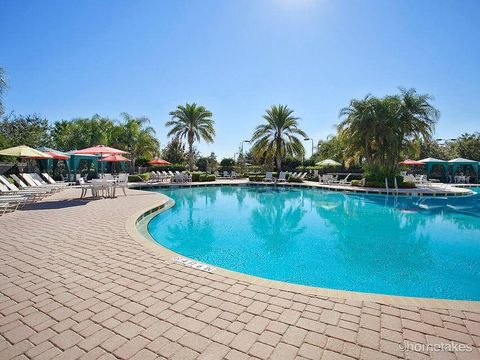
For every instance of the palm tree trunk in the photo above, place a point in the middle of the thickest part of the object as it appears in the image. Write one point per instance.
(278, 155)
(190, 152)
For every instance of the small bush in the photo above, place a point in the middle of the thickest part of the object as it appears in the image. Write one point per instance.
(256, 177)
(293, 179)
(356, 183)
(196, 176)
(407, 185)
(206, 177)
(374, 184)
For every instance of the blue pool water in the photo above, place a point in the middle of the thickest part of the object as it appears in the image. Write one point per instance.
(406, 246)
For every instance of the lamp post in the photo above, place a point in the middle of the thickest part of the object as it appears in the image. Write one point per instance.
(306, 139)
(243, 155)
(129, 149)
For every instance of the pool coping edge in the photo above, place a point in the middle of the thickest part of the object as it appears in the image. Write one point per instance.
(136, 227)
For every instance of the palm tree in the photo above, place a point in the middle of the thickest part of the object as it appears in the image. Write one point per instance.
(278, 137)
(380, 129)
(3, 86)
(193, 122)
(136, 133)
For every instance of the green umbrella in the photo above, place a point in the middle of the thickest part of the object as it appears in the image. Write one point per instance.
(328, 162)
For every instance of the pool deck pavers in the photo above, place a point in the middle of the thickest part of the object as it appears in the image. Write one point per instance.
(75, 284)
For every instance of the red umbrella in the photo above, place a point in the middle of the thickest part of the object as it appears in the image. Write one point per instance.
(57, 156)
(159, 162)
(411, 162)
(114, 158)
(100, 149)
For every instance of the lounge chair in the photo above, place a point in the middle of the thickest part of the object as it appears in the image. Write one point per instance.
(8, 188)
(38, 179)
(282, 177)
(268, 176)
(225, 174)
(9, 203)
(345, 180)
(51, 181)
(23, 185)
(233, 175)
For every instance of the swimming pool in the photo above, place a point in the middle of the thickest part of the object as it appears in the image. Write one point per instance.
(425, 247)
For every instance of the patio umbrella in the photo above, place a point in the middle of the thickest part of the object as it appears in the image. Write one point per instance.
(159, 162)
(328, 162)
(114, 159)
(24, 152)
(57, 156)
(411, 162)
(100, 150)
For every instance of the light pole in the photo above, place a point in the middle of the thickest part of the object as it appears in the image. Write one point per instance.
(244, 141)
(243, 155)
(306, 139)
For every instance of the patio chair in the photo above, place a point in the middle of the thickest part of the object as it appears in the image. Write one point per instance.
(122, 183)
(268, 176)
(282, 177)
(225, 174)
(233, 175)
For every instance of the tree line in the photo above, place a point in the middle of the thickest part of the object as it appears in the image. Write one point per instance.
(374, 133)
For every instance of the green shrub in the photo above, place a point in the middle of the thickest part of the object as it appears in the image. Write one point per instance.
(407, 185)
(256, 177)
(293, 179)
(374, 184)
(356, 183)
(196, 175)
(206, 177)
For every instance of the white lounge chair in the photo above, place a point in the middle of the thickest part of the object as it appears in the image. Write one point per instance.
(345, 180)
(51, 181)
(225, 174)
(233, 175)
(282, 177)
(268, 176)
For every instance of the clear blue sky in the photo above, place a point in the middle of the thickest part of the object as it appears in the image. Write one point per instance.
(66, 59)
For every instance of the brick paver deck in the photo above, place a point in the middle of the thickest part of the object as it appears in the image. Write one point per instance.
(74, 284)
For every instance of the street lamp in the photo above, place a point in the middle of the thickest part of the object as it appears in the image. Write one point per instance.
(243, 155)
(244, 141)
(306, 139)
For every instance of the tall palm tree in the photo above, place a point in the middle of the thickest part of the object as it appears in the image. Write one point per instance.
(278, 137)
(193, 122)
(3, 86)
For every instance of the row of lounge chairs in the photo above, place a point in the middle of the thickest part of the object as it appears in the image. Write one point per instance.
(169, 176)
(227, 175)
(25, 189)
(282, 176)
(329, 179)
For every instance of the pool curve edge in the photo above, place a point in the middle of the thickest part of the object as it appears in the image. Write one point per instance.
(136, 227)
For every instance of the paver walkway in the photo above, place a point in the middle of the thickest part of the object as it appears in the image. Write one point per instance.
(74, 284)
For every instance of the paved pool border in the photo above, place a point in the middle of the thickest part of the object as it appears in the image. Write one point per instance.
(136, 227)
